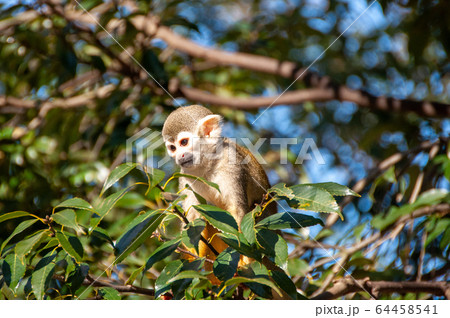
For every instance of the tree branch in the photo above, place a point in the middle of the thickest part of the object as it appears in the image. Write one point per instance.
(89, 281)
(287, 69)
(347, 285)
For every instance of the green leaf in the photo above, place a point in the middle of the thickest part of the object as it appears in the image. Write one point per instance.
(19, 229)
(430, 197)
(133, 275)
(226, 264)
(13, 215)
(76, 276)
(42, 275)
(288, 220)
(162, 252)
(248, 227)
(102, 235)
(139, 230)
(220, 219)
(162, 284)
(118, 173)
(76, 203)
(306, 197)
(274, 245)
(285, 283)
(439, 228)
(240, 244)
(106, 206)
(211, 184)
(256, 280)
(155, 176)
(13, 270)
(191, 274)
(67, 218)
(109, 293)
(25, 246)
(334, 189)
(179, 286)
(71, 244)
(191, 236)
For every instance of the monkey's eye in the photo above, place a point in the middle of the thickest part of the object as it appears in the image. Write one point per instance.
(184, 142)
(172, 148)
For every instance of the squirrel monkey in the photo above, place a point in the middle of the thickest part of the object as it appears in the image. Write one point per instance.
(192, 135)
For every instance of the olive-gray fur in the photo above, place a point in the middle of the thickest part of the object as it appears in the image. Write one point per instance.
(183, 119)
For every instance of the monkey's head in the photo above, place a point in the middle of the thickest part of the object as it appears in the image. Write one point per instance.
(190, 132)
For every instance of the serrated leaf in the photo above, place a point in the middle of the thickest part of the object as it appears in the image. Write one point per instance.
(226, 264)
(139, 230)
(103, 235)
(106, 206)
(19, 229)
(179, 286)
(203, 180)
(191, 236)
(162, 284)
(71, 244)
(13, 270)
(118, 173)
(76, 276)
(335, 189)
(282, 190)
(189, 274)
(109, 293)
(42, 275)
(274, 245)
(133, 275)
(67, 218)
(240, 244)
(25, 246)
(13, 215)
(256, 280)
(285, 283)
(248, 227)
(76, 203)
(306, 197)
(288, 220)
(220, 219)
(156, 176)
(162, 252)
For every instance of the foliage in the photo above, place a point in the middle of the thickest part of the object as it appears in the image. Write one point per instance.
(60, 258)
(71, 98)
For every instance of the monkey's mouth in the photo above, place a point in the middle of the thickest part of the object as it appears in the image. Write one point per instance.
(187, 163)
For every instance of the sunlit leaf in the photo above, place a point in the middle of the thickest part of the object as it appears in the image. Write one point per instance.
(109, 293)
(13, 215)
(118, 173)
(67, 218)
(220, 219)
(162, 252)
(19, 229)
(13, 269)
(25, 246)
(226, 263)
(71, 244)
(288, 220)
(42, 275)
(139, 230)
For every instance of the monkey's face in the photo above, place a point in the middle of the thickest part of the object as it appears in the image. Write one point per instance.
(182, 149)
(192, 149)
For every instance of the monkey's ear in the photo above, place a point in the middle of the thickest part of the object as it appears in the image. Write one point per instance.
(210, 126)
